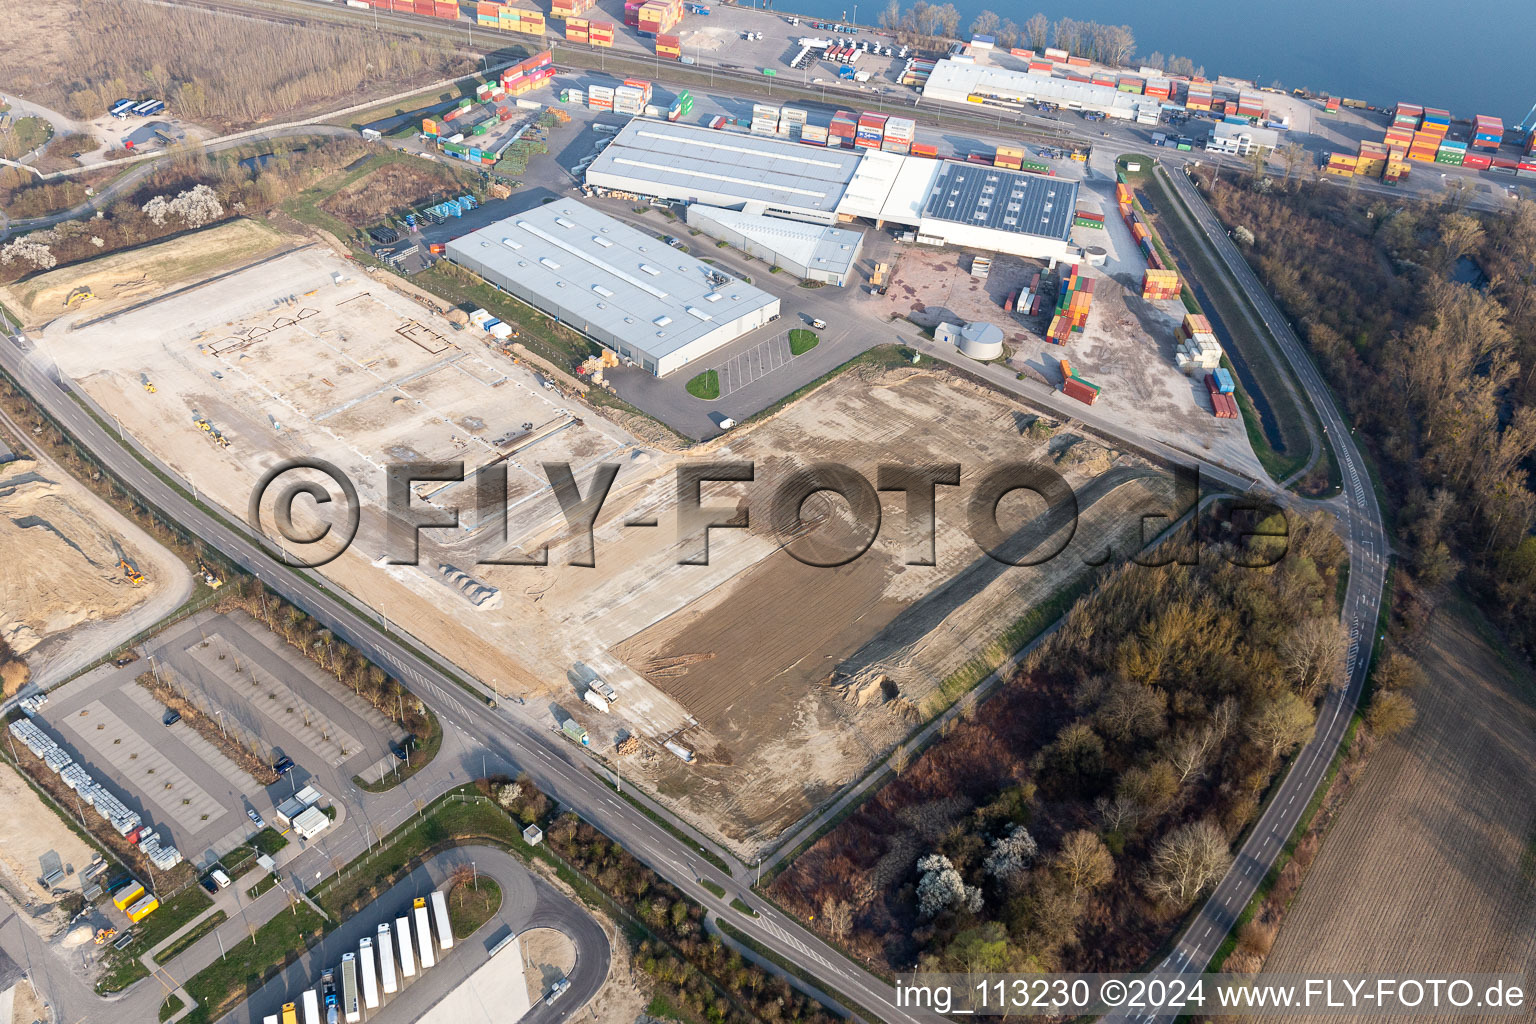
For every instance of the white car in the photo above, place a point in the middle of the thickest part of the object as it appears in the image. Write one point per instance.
(819, 324)
(256, 819)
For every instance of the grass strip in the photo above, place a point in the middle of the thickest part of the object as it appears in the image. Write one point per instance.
(422, 753)
(739, 905)
(790, 968)
(190, 937)
(667, 826)
(714, 887)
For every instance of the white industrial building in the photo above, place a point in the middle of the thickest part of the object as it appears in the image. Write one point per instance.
(626, 290)
(957, 82)
(695, 164)
(980, 341)
(814, 252)
(946, 202)
(1241, 139)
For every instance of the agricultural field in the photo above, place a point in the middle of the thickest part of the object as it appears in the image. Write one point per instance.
(1431, 866)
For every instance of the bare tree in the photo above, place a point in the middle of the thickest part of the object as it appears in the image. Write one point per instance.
(837, 917)
(1130, 710)
(1037, 30)
(1313, 654)
(890, 16)
(1390, 713)
(946, 19)
(1281, 723)
(1187, 861)
(985, 24)
(1008, 34)
(901, 757)
(1118, 813)
(1084, 862)
(1293, 155)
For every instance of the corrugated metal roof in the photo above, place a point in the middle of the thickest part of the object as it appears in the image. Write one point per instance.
(810, 245)
(1014, 201)
(751, 167)
(601, 271)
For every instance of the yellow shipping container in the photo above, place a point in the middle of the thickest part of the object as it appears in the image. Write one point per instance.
(142, 909)
(127, 895)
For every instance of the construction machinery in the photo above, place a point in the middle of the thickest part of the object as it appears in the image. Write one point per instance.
(78, 296)
(213, 581)
(147, 384)
(134, 576)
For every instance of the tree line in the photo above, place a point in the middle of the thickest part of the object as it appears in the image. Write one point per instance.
(1066, 822)
(932, 24)
(1422, 313)
(227, 74)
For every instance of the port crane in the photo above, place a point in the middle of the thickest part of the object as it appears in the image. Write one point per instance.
(1527, 123)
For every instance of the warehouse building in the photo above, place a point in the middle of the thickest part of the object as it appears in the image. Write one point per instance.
(629, 292)
(1241, 139)
(814, 252)
(957, 82)
(696, 164)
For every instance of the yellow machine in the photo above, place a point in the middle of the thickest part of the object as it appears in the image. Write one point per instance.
(79, 295)
(134, 576)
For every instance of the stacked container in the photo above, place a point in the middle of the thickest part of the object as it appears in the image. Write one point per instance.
(1452, 152)
(670, 47)
(791, 122)
(1131, 84)
(488, 14)
(1487, 132)
(1425, 146)
(1084, 219)
(900, 132)
(570, 8)
(1198, 348)
(530, 74)
(1198, 96)
(1074, 386)
(813, 135)
(1041, 67)
(1072, 305)
(658, 16)
(681, 107)
(517, 19)
(1250, 104)
(1158, 285)
(629, 99)
(1052, 53)
(1435, 120)
(843, 129)
(600, 33)
(871, 131)
(765, 119)
(600, 97)
(1331, 105)
(1223, 405)
(925, 149)
(1371, 160)
(576, 30)
(1010, 157)
(1407, 115)
(1340, 164)
(1159, 88)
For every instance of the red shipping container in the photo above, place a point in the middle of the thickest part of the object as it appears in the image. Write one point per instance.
(1082, 392)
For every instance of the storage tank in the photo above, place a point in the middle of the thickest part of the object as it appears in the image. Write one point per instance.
(440, 911)
(423, 934)
(1096, 255)
(403, 940)
(386, 960)
(679, 750)
(981, 341)
(592, 697)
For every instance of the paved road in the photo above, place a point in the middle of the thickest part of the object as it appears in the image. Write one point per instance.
(506, 733)
(1366, 542)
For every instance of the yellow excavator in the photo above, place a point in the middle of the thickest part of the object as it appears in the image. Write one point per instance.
(134, 576)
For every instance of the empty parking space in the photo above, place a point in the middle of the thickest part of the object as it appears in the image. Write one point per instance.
(753, 364)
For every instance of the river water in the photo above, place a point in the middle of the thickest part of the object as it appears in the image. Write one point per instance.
(1470, 57)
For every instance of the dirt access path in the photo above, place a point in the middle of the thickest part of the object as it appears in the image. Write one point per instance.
(1432, 865)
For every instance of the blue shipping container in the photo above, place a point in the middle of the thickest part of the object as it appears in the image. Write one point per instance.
(1224, 381)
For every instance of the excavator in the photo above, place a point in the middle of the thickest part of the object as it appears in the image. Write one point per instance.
(134, 576)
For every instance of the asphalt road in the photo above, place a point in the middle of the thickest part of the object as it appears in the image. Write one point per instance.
(1366, 542)
(505, 732)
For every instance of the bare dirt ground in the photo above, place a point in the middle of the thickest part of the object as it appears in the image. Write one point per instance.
(933, 286)
(26, 1006)
(391, 187)
(125, 277)
(1431, 867)
(61, 557)
(548, 956)
(786, 680)
(35, 841)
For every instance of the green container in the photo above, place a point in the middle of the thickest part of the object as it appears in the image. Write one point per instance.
(1079, 222)
(480, 129)
(465, 104)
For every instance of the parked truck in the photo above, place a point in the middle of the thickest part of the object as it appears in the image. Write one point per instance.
(387, 960)
(290, 1013)
(349, 1005)
(370, 978)
(328, 997)
(403, 940)
(311, 1007)
(423, 934)
(440, 911)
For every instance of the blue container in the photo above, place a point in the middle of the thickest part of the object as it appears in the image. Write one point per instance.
(1224, 381)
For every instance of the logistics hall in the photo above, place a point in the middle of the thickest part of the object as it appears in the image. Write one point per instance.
(945, 201)
(638, 296)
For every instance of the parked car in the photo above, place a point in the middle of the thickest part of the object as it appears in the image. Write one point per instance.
(209, 884)
(819, 324)
(256, 819)
(172, 716)
(283, 766)
(403, 749)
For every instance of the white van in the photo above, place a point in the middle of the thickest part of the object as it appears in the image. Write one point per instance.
(219, 878)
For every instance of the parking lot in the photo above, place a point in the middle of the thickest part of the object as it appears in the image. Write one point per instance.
(260, 692)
